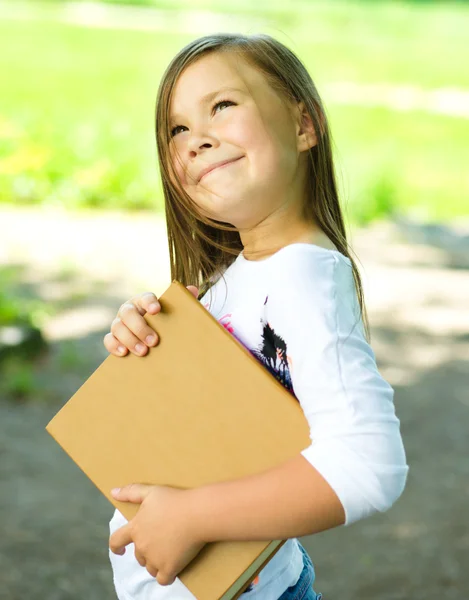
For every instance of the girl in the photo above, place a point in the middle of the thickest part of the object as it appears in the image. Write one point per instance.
(254, 220)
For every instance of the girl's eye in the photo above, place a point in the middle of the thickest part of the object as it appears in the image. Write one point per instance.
(174, 129)
(213, 108)
(222, 102)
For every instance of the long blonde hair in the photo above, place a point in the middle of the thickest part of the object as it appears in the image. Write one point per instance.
(201, 249)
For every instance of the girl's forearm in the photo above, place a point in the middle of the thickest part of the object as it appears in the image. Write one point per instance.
(291, 500)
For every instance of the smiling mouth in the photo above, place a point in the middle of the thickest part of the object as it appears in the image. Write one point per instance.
(220, 167)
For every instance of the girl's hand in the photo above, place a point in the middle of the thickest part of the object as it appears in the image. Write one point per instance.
(130, 331)
(163, 530)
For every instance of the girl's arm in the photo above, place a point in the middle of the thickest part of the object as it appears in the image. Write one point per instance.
(355, 464)
(288, 501)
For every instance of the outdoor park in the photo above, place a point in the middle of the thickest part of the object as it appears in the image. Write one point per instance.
(82, 230)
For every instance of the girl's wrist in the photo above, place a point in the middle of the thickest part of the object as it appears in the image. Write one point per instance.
(196, 511)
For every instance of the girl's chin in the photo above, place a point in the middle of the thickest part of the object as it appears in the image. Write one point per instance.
(220, 209)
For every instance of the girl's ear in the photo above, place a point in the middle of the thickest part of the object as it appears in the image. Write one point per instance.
(306, 134)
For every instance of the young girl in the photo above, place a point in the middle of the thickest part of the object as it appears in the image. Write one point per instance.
(254, 221)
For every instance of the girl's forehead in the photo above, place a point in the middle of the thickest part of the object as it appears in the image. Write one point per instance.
(215, 67)
(202, 80)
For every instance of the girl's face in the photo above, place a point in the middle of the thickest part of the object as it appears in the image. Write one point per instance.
(223, 109)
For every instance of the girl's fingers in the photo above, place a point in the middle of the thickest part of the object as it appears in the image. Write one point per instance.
(146, 302)
(140, 558)
(193, 290)
(153, 572)
(113, 345)
(131, 329)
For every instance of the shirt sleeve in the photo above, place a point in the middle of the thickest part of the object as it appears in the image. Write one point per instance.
(356, 443)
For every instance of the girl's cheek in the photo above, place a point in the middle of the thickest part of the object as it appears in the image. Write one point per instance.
(178, 167)
(241, 131)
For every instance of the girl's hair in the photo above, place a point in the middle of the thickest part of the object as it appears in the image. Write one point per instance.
(200, 248)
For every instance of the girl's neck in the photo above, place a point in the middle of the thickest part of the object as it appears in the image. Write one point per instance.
(256, 248)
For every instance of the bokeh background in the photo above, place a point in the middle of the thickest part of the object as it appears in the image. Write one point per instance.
(82, 230)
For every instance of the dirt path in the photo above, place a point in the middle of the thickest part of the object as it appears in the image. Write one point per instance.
(54, 523)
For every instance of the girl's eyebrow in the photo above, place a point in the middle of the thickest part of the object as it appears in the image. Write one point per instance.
(208, 97)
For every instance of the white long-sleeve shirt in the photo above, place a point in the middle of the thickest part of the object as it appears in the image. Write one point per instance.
(297, 311)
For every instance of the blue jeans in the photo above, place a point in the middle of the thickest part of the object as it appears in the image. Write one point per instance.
(303, 588)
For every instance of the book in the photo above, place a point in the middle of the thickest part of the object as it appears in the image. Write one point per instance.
(197, 409)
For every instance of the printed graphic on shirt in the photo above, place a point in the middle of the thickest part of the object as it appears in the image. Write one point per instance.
(273, 354)
(226, 322)
(251, 585)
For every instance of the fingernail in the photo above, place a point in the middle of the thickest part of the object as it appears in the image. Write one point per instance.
(150, 339)
(120, 349)
(115, 491)
(153, 306)
(139, 348)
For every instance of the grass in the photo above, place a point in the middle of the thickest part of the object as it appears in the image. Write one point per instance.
(76, 119)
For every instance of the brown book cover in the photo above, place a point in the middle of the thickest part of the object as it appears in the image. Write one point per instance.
(199, 408)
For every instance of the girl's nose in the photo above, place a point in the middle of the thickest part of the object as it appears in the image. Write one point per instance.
(198, 141)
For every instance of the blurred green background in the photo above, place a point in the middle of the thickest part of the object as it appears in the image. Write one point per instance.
(76, 115)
